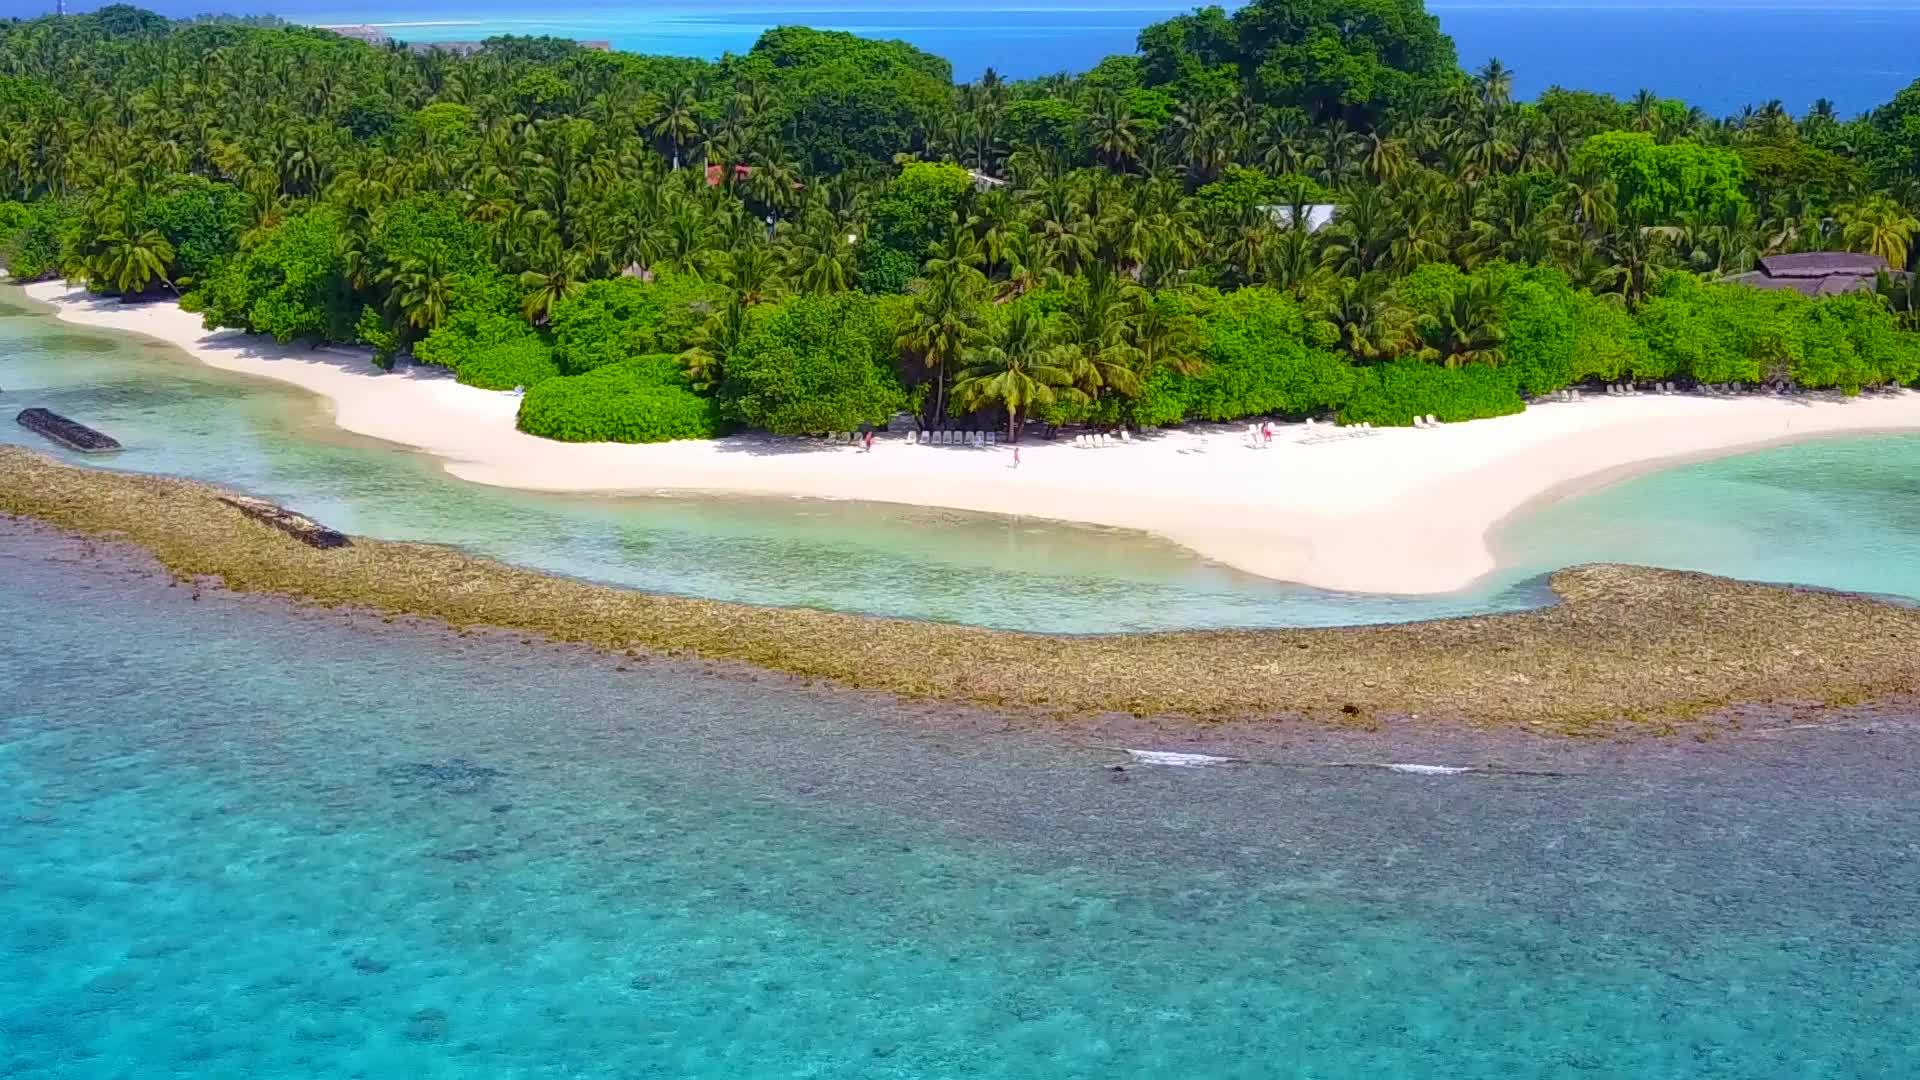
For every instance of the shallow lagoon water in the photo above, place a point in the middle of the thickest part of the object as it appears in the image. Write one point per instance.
(241, 840)
(179, 417)
(1839, 514)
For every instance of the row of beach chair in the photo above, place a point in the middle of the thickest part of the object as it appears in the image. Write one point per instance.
(1100, 439)
(1427, 421)
(1322, 433)
(944, 437)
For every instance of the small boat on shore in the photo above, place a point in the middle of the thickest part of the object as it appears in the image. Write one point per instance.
(68, 433)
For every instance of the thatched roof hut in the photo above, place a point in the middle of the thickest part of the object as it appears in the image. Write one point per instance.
(1816, 273)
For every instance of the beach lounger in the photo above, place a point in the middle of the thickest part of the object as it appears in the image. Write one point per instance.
(1124, 437)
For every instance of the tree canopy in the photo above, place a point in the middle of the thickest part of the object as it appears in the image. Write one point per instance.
(824, 230)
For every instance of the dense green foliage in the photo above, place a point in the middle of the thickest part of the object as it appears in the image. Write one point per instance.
(609, 321)
(1397, 392)
(825, 229)
(482, 342)
(642, 400)
(817, 364)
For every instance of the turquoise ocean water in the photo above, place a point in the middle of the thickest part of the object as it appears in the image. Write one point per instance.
(241, 841)
(1840, 514)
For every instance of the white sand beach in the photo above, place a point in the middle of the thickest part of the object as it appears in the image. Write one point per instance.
(1396, 511)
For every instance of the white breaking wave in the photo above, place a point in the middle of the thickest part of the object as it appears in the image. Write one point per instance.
(1185, 761)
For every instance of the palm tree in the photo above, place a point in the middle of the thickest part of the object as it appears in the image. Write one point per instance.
(1099, 320)
(132, 262)
(1020, 366)
(1635, 258)
(1165, 340)
(677, 122)
(1877, 225)
(753, 272)
(1902, 294)
(1371, 325)
(716, 340)
(822, 259)
(1495, 81)
(1467, 328)
(945, 322)
(1645, 105)
(557, 275)
(1113, 132)
(421, 292)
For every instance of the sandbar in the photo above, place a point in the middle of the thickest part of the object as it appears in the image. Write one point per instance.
(1391, 511)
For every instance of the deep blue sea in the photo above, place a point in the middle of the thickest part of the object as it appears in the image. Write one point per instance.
(1719, 54)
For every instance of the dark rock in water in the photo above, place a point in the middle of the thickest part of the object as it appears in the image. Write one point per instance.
(367, 965)
(427, 1025)
(459, 776)
(66, 432)
(299, 526)
(467, 854)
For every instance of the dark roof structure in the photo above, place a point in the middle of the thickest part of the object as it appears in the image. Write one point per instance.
(1816, 273)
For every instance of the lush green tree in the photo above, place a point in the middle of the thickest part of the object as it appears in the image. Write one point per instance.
(133, 262)
(1880, 226)
(1020, 366)
(816, 364)
(292, 284)
(917, 208)
(609, 321)
(1660, 183)
(201, 220)
(1262, 355)
(40, 234)
(1335, 58)
(483, 337)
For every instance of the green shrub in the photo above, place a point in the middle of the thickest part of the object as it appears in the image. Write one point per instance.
(1261, 355)
(504, 365)
(1732, 333)
(611, 321)
(1607, 342)
(37, 234)
(638, 401)
(818, 364)
(1395, 393)
(484, 338)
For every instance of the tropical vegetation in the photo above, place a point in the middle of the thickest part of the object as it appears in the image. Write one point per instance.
(826, 231)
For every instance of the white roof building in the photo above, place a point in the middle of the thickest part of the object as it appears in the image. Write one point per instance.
(1319, 215)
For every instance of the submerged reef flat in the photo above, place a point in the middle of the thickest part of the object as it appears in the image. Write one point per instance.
(1625, 647)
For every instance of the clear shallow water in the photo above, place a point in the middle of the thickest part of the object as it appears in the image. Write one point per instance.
(236, 840)
(179, 417)
(1840, 514)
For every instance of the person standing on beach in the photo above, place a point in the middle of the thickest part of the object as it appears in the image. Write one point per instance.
(1016, 457)
(869, 442)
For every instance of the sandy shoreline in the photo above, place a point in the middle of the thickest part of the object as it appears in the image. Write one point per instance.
(1400, 511)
